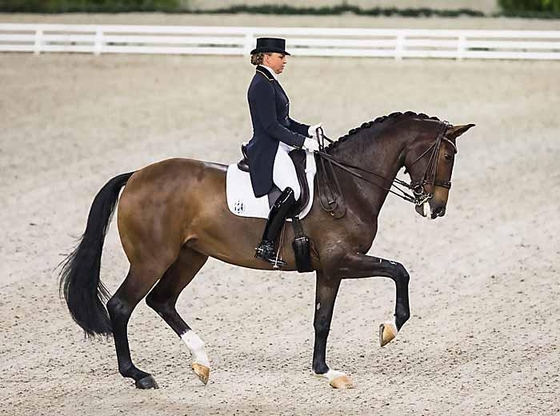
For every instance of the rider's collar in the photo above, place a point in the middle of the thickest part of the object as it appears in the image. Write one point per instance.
(269, 71)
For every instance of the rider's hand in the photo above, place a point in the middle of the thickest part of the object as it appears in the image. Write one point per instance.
(311, 144)
(312, 130)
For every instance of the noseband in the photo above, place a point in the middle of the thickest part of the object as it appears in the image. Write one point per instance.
(419, 195)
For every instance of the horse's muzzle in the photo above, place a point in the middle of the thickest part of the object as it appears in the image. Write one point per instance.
(438, 212)
(427, 211)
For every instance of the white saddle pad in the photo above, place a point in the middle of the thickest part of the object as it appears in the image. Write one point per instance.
(241, 200)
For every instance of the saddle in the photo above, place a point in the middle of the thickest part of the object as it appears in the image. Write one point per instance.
(301, 244)
(299, 159)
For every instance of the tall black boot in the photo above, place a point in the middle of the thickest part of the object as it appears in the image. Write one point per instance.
(274, 224)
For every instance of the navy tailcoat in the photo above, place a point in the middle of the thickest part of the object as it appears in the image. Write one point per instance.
(269, 106)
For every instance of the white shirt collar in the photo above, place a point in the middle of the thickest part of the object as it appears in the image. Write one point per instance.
(271, 72)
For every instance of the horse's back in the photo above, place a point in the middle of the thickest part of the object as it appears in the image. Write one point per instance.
(172, 176)
(183, 168)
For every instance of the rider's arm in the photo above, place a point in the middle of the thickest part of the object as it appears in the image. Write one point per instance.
(262, 97)
(298, 127)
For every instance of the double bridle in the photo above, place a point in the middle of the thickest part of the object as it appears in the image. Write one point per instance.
(419, 195)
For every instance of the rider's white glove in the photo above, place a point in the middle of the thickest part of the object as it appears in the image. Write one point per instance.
(311, 145)
(312, 130)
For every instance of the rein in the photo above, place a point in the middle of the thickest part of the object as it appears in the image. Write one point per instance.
(418, 197)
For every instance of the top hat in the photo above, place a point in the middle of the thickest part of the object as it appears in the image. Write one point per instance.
(277, 45)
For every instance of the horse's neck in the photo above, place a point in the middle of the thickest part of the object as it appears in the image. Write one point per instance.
(381, 155)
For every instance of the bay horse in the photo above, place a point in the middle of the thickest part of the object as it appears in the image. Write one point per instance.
(173, 215)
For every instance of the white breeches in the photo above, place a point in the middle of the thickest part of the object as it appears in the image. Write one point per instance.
(284, 172)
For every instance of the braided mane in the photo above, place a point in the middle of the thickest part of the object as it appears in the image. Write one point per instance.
(379, 122)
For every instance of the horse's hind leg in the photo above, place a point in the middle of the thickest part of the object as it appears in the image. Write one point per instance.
(163, 299)
(137, 284)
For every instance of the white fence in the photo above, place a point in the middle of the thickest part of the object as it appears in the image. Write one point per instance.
(388, 43)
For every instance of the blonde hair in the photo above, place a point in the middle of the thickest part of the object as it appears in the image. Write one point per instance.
(258, 58)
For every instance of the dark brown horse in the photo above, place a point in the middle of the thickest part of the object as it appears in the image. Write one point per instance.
(173, 215)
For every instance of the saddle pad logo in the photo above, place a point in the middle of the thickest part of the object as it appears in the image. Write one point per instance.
(238, 207)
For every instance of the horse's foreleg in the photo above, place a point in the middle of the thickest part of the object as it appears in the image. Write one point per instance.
(388, 330)
(136, 285)
(325, 296)
(360, 265)
(163, 299)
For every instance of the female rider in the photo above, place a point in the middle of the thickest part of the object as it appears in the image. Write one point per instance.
(275, 134)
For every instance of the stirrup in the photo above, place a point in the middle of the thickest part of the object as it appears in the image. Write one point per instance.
(266, 252)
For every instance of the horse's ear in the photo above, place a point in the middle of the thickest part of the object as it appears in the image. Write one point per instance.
(455, 131)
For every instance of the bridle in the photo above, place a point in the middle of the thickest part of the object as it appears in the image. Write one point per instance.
(419, 195)
(429, 177)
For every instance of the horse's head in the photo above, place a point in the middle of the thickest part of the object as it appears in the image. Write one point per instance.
(429, 161)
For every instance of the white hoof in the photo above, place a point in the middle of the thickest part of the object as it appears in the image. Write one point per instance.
(202, 372)
(387, 332)
(337, 379)
(342, 383)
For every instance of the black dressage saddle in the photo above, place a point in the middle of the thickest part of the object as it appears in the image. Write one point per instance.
(299, 158)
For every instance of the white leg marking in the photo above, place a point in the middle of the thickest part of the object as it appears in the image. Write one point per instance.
(331, 375)
(196, 347)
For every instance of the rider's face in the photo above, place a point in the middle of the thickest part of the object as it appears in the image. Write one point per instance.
(276, 61)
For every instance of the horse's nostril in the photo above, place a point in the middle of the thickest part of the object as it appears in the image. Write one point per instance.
(440, 211)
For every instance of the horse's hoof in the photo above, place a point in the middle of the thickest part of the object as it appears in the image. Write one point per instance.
(387, 332)
(342, 383)
(202, 372)
(147, 382)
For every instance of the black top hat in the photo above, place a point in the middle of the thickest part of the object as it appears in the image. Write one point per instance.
(270, 45)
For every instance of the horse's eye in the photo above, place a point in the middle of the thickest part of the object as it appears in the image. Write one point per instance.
(448, 156)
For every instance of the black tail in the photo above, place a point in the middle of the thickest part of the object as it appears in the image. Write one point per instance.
(84, 293)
